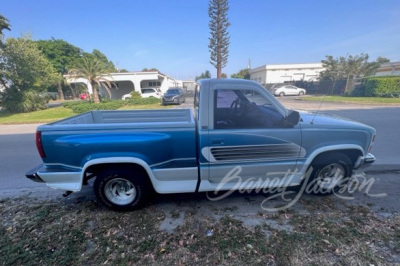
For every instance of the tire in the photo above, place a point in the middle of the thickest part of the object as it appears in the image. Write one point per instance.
(121, 189)
(281, 94)
(329, 173)
(301, 93)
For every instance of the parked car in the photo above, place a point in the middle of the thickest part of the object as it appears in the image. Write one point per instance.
(151, 92)
(84, 96)
(146, 93)
(289, 90)
(235, 124)
(173, 96)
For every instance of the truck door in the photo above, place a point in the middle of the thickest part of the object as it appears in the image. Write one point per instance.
(249, 133)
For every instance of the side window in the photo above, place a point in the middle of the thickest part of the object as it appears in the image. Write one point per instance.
(242, 109)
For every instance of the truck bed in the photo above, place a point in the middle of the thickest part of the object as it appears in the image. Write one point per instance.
(130, 133)
(126, 118)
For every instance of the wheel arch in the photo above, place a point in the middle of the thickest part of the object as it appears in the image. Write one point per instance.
(98, 165)
(352, 151)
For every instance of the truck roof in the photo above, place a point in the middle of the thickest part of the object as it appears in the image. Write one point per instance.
(213, 81)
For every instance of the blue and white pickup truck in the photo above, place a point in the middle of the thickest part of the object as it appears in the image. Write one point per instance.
(235, 124)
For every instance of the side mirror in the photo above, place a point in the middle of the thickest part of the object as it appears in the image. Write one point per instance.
(292, 119)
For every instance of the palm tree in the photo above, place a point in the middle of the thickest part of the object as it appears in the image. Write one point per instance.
(95, 72)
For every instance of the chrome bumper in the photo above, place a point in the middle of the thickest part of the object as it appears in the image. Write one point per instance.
(57, 177)
(364, 161)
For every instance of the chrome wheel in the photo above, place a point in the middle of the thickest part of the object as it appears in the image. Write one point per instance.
(120, 191)
(330, 176)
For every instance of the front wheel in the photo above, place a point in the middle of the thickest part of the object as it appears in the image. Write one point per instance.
(329, 173)
(281, 94)
(121, 189)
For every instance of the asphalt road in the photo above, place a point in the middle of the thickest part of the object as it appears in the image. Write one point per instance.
(18, 154)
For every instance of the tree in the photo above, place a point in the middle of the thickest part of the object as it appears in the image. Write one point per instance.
(204, 75)
(63, 56)
(4, 25)
(94, 71)
(108, 65)
(349, 67)
(219, 40)
(150, 69)
(25, 73)
(242, 74)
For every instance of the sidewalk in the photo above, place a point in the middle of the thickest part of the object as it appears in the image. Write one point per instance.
(18, 129)
(297, 104)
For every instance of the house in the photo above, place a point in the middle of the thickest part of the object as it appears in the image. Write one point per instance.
(389, 69)
(268, 74)
(124, 83)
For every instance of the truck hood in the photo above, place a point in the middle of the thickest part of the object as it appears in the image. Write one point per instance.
(317, 120)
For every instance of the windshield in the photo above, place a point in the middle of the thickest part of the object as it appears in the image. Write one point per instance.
(174, 91)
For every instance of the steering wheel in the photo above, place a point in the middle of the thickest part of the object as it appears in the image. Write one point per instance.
(234, 109)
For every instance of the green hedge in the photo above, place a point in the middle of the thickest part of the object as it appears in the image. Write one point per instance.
(388, 86)
(79, 107)
(150, 100)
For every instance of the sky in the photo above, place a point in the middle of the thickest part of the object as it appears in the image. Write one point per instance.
(172, 35)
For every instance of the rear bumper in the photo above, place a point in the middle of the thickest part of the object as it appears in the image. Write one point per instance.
(364, 161)
(33, 174)
(57, 177)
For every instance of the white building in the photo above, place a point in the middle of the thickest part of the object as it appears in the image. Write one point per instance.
(124, 83)
(389, 69)
(268, 74)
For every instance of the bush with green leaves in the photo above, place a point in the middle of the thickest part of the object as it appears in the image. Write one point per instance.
(15, 101)
(82, 107)
(135, 101)
(79, 107)
(388, 86)
(136, 95)
(358, 91)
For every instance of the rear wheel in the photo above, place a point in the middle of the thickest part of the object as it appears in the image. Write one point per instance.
(121, 189)
(329, 173)
(301, 93)
(282, 94)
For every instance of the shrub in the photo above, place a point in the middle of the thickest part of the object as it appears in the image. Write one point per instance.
(358, 91)
(79, 107)
(150, 100)
(382, 86)
(15, 101)
(135, 95)
(82, 107)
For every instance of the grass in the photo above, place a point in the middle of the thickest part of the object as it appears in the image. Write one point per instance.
(56, 113)
(359, 100)
(52, 232)
(43, 116)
